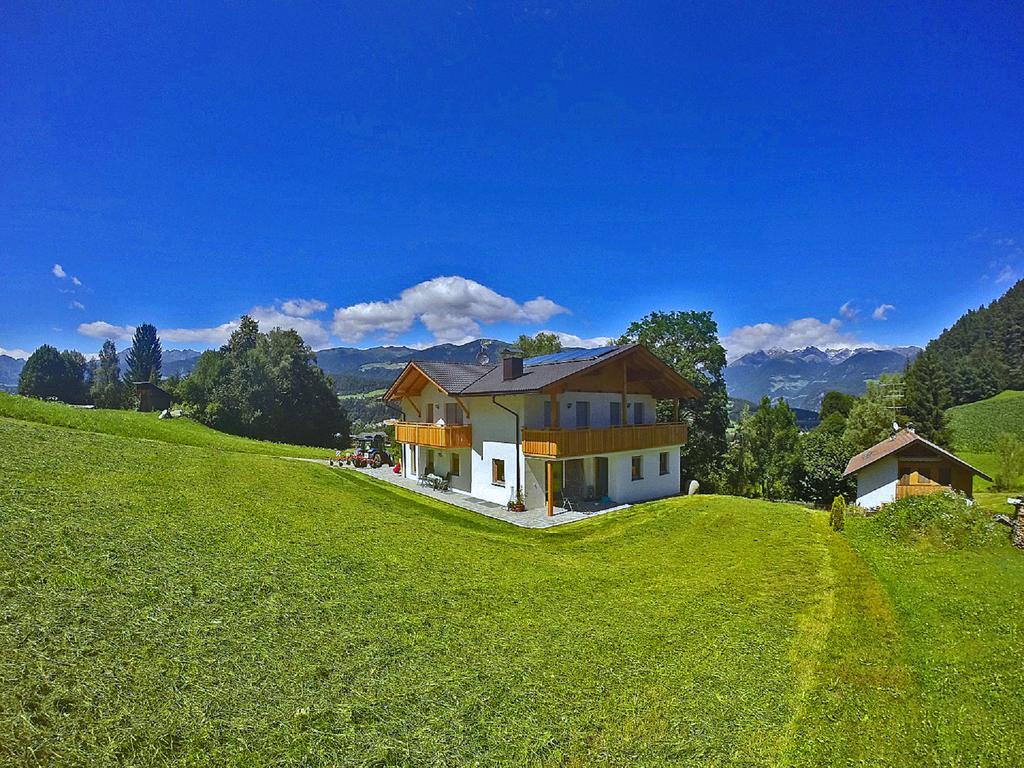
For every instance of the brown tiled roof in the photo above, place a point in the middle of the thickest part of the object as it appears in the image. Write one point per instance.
(901, 440)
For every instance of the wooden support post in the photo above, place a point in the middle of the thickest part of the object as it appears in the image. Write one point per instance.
(625, 384)
(549, 468)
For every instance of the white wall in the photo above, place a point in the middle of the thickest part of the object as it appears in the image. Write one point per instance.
(876, 483)
(600, 409)
(624, 489)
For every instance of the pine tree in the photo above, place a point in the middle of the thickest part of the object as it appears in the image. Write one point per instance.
(837, 516)
(145, 356)
(927, 398)
(107, 390)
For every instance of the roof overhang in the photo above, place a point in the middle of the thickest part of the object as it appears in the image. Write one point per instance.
(636, 367)
(899, 451)
(410, 383)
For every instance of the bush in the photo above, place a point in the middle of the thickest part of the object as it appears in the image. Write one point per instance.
(942, 519)
(837, 517)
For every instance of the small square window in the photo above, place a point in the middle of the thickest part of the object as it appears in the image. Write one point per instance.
(638, 467)
(663, 463)
(497, 471)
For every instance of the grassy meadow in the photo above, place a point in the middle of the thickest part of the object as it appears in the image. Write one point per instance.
(164, 602)
(975, 427)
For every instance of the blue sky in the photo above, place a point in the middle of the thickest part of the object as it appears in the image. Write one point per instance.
(562, 166)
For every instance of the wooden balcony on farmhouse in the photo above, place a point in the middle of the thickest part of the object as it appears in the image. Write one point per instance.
(565, 443)
(433, 436)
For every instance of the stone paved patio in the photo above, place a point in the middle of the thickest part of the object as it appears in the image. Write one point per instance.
(531, 518)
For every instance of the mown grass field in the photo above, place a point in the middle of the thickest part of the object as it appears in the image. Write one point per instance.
(172, 604)
(145, 426)
(976, 425)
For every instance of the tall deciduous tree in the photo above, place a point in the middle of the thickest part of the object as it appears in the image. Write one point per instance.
(688, 341)
(107, 389)
(927, 398)
(871, 417)
(819, 471)
(145, 358)
(541, 344)
(52, 374)
(774, 437)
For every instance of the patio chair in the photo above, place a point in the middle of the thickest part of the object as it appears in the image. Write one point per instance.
(445, 484)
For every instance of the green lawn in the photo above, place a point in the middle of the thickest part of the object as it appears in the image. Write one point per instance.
(976, 425)
(167, 604)
(143, 425)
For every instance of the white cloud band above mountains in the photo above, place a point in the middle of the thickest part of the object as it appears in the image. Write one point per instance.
(796, 334)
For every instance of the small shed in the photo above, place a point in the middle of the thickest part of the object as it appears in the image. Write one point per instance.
(908, 465)
(152, 397)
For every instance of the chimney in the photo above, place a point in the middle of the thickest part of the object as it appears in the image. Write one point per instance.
(511, 365)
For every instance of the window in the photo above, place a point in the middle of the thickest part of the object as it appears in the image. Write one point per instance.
(547, 413)
(663, 463)
(497, 471)
(582, 414)
(412, 458)
(454, 465)
(430, 413)
(430, 463)
(638, 413)
(453, 414)
(615, 414)
(638, 467)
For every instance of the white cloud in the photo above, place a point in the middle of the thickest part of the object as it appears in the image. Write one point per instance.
(101, 329)
(214, 335)
(19, 353)
(76, 281)
(882, 311)
(572, 340)
(848, 311)
(58, 271)
(76, 305)
(312, 331)
(796, 334)
(302, 307)
(451, 308)
(1006, 275)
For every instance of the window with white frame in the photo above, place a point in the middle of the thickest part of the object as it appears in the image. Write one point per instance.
(637, 467)
(663, 463)
(497, 472)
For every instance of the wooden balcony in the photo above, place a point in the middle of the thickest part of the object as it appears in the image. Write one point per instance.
(565, 443)
(433, 436)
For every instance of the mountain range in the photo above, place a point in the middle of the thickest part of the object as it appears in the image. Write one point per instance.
(802, 376)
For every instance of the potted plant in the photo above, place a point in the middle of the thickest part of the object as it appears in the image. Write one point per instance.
(517, 504)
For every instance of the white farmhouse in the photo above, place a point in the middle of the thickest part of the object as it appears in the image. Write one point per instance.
(579, 424)
(908, 465)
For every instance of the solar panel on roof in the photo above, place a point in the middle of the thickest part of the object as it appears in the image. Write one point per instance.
(570, 355)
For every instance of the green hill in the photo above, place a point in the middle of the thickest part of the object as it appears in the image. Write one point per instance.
(143, 425)
(976, 425)
(164, 602)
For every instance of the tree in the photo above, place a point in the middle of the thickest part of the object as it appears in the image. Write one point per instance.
(51, 374)
(836, 402)
(541, 344)
(819, 471)
(1009, 461)
(773, 437)
(107, 389)
(267, 386)
(927, 398)
(145, 357)
(871, 417)
(837, 516)
(688, 342)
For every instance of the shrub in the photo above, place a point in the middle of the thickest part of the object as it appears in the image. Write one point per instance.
(837, 517)
(942, 519)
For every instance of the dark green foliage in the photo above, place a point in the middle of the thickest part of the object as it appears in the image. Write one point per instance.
(267, 386)
(541, 344)
(836, 403)
(52, 374)
(940, 519)
(983, 352)
(763, 452)
(837, 515)
(871, 417)
(688, 342)
(107, 389)
(145, 357)
(833, 424)
(927, 398)
(823, 456)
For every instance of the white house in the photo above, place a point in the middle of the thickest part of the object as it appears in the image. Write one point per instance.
(582, 424)
(908, 465)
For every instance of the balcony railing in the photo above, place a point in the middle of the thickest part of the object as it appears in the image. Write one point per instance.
(563, 443)
(433, 436)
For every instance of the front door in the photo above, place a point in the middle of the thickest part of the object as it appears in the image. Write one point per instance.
(601, 476)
